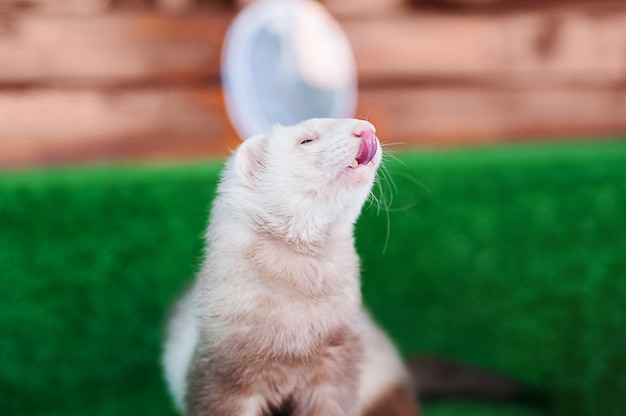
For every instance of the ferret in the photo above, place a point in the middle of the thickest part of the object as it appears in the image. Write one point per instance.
(274, 324)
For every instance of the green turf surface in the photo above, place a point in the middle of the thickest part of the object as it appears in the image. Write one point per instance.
(510, 257)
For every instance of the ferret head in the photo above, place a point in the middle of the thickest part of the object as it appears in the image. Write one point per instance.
(300, 182)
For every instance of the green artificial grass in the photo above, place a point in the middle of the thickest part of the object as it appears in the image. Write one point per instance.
(511, 257)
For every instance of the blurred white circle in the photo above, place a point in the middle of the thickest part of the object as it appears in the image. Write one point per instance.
(285, 61)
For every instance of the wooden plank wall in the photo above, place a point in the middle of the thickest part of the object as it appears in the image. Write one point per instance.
(102, 80)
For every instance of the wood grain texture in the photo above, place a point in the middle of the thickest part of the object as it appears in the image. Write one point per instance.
(569, 45)
(112, 50)
(59, 126)
(446, 115)
(64, 7)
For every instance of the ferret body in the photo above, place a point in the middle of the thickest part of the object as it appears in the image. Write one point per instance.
(274, 324)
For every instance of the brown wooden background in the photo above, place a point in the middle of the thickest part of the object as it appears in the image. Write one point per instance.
(102, 80)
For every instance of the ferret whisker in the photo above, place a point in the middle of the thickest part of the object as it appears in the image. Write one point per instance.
(387, 205)
(373, 200)
(393, 188)
(404, 208)
(391, 155)
(385, 201)
(381, 199)
(379, 186)
(387, 145)
(415, 181)
(411, 178)
(388, 234)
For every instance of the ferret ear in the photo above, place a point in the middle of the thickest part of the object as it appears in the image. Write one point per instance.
(248, 157)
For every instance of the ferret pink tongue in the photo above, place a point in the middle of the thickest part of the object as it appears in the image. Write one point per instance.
(369, 145)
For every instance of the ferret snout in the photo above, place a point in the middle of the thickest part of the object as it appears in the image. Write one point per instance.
(363, 128)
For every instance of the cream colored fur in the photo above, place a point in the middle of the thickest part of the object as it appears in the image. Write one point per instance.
(275, 317)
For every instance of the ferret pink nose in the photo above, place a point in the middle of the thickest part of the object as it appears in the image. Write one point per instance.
(369, 145)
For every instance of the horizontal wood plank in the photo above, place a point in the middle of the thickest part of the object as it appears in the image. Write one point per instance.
(566, 46)
(65, 7)
(348, 9)
(94, 7)
(445, 116)
(110, 50)
(43, 127)
(569, 46)
(59, 126)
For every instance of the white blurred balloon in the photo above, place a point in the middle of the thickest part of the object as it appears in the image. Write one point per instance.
(285, 61)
